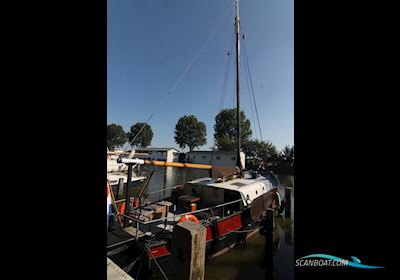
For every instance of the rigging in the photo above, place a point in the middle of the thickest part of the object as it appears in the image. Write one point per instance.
(180, 78)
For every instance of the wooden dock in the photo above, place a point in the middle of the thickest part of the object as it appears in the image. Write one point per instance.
(122, 236)
(114, 272)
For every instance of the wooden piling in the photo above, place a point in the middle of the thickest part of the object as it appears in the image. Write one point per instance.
(188, 251)
(288, 202)
(120, 187)
(268, 246)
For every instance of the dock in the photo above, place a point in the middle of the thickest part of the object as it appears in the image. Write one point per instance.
(122, 236)
(114, 272)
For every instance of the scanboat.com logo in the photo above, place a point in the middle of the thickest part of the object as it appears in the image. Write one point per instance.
(328, 260)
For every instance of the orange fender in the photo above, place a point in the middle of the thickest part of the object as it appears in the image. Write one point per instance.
(188, 217)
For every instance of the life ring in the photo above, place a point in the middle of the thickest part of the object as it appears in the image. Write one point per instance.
(188, 217)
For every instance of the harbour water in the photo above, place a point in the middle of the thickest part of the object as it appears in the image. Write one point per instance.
(245, 261)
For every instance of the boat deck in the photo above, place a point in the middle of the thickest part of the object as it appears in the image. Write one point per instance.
(122, 236)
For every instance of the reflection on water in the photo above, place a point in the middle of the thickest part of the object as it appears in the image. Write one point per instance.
(246, 261)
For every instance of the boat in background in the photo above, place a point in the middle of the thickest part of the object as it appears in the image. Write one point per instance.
(117, 171)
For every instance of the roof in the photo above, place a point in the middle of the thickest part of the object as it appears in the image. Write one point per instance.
(155, 149)
(248, 188)
(216, 152)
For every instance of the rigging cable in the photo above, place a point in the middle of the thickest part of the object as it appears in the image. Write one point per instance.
(251, 84)
(182, 75)
(226, 75)
(223, 94)
(159, 267)
(251, 101)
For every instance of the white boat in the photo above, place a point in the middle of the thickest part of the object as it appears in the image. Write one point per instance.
(117, 171)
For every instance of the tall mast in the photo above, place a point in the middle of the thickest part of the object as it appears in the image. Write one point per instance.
(237, 27)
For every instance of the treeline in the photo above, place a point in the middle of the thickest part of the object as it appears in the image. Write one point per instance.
(191, 133)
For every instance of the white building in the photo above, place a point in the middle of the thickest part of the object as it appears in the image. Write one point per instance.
(219, 158)
(164, 154)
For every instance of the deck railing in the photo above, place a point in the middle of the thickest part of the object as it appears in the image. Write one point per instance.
(177, 216)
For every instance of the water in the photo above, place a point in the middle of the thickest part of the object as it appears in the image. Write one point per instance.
(246, 260)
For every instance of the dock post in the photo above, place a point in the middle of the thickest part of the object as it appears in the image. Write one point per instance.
(288, 201)
(188, 251)
(267, 231)
(120, 186)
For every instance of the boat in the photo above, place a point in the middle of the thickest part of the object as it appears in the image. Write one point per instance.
(230, 204)
(118, 171)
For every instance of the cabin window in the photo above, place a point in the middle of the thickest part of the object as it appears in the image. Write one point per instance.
(203, 156)
(233, 158)
(194, 156)
(218, 157)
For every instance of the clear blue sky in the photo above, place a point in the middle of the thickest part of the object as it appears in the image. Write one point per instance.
(150, 43)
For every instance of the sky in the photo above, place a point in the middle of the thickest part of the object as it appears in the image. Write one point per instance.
(151, 42)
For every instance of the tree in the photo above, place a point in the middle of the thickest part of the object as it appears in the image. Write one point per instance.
(144, 138)
(225, 129)
(190, 132)
(287, 155)
(115, 136)
(260, 151)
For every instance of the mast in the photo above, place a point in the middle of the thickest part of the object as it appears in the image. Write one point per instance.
(238, 139)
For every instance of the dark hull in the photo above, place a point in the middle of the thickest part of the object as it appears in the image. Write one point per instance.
(222, 235)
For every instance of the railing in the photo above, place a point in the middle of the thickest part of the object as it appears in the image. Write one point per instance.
(174, 217)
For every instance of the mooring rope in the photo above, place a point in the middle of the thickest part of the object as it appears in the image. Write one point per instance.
(159, 267)
(243, 231)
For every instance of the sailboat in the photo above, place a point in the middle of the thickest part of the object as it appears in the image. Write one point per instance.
(229, 203)
(118, 171)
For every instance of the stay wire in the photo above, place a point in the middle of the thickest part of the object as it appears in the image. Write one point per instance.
(251, 84)
(227, 70)
(251, 102)
(182, 75)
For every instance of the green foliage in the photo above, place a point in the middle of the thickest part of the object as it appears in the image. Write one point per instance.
(115, 136)
(259, 151)
(145, 136)
(190, 132)
(287, 155)
(225, 129)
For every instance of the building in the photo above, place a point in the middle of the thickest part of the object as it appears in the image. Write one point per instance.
(163, 154)
(219, 158)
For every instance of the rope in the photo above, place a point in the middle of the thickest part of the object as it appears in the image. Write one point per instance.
(160, 190)
(140, 267)
(243, 231)
(226, 75)
(251, 84)
(251, 101)
(223, 94)
(159, 267)
(182, 75)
